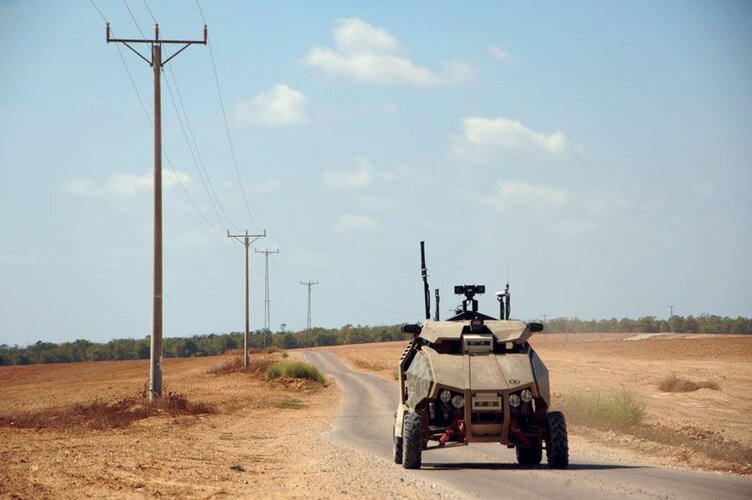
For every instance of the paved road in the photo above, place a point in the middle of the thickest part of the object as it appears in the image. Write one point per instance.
(491, 471)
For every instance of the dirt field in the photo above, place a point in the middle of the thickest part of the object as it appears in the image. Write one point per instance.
(704, 429)
(262, 439)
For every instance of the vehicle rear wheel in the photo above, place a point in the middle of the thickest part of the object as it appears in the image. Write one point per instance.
(557, 445)
(397, 441)
(529, 455)
(412, 441)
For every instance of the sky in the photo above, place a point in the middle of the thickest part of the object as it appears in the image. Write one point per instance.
(596, 154)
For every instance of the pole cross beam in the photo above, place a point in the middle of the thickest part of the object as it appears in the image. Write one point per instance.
(155, 366)
(157, 41)
(247, 240)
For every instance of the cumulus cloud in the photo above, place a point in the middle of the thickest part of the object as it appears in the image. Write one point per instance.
(498, 53)
(121, 185)
(369, 54)
(281, 105)
(495, 139)
(511, 194)
(349, 223)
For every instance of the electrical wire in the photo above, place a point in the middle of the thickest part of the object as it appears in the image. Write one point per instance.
(227, 126)
(150, 12)
(125, 2)
(151, 124)
(198, 151)
(193, 155)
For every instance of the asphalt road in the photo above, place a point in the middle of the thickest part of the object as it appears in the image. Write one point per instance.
(490, 471)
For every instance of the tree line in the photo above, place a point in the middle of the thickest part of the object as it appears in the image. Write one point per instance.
(220, 343)
(651, 324)
(197, 345)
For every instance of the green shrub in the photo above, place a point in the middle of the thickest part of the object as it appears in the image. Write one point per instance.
(607, 411)
(294, 369)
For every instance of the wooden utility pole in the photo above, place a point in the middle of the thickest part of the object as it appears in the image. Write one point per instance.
(267, 300)
(155, 366)
(247, 240)
(309, 284)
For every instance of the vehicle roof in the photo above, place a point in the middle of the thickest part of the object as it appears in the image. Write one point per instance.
(503, 330)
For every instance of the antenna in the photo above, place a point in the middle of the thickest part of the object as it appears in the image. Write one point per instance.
(424, 275)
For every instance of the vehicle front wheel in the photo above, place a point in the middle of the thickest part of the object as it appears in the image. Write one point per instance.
(557, 445)
(529, 455)
(412, 441)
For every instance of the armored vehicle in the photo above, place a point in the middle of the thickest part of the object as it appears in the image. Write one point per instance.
(475, 378)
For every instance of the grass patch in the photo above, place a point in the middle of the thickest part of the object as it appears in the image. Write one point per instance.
(674, 383)
(295, 370)
(605, 411)
(290, 404)
(102, 415)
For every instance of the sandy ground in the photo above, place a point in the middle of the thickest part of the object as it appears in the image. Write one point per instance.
(271, 440)
(265, 439)
(605, 363)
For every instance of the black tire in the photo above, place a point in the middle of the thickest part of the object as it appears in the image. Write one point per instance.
(397, 441)
(412, 441)
(557, 446)
(529, 455)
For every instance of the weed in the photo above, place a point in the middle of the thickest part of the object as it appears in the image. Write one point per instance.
(618, 410)
(294, 369)
(290, 404)
(103, 415)
(674, 383)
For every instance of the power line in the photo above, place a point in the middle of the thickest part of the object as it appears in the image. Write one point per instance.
(125, 2)
(198, 151)
(227, 126)
(151, 13)
(100, 12)
(193, 156)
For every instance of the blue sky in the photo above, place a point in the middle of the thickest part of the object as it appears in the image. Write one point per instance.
(600, 151)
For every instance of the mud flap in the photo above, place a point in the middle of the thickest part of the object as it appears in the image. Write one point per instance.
(399, 417)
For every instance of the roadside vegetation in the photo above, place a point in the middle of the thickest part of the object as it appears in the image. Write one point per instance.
(674, 383)
(220, 343)
(294, 370)
(618, 410)
(102, 415)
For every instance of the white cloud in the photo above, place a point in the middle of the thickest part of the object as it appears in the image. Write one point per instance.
(498, 139)
(281, 105)
(498, 53)
(349, 223)
(369, 54)
(121, 185)
(357, 178)
(519, 194)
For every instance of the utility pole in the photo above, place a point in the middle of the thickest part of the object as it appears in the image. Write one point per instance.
(670, 318)
(155, 366)
(309, 284)
(247, 240)
(267, 301)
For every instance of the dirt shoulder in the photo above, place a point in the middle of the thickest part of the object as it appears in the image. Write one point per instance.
(261, 440)
(703, 429)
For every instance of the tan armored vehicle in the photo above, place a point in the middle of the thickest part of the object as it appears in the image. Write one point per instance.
(474, 378)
